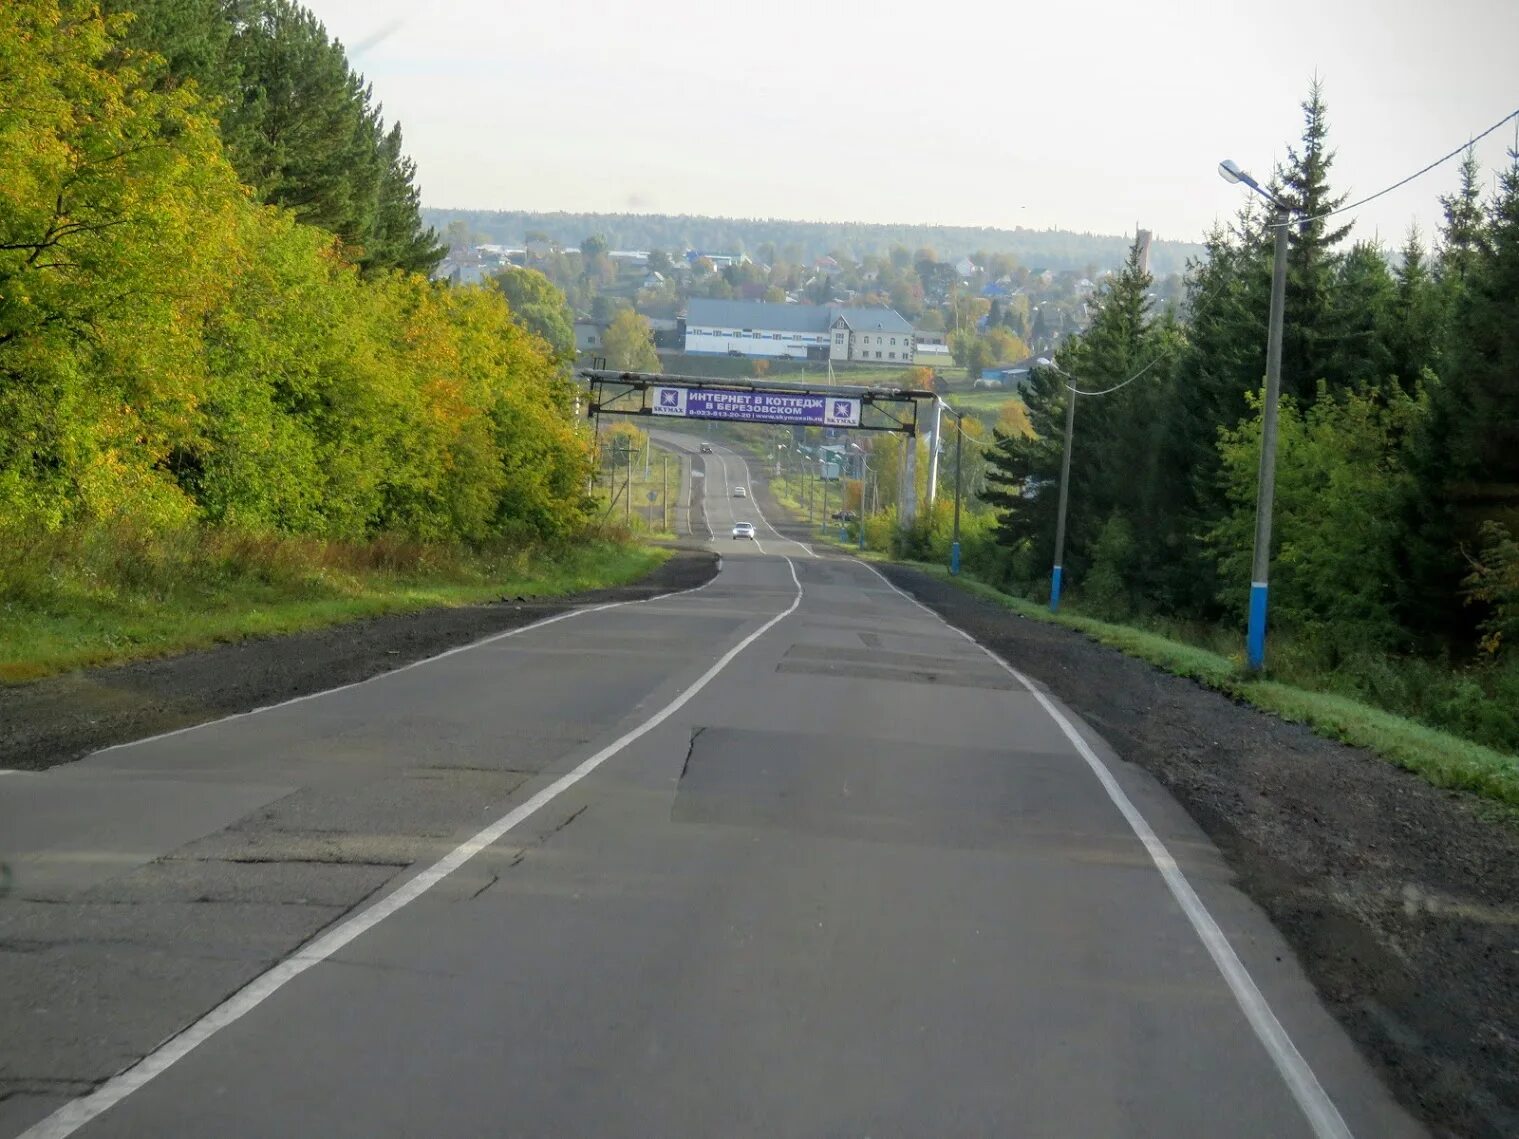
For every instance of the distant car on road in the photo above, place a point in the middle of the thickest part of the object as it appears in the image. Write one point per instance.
(740, 492)
(743, 530)
(706, 448)
(843, 516)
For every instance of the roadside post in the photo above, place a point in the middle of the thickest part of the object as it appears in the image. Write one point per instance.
(1265, 487)
(954, 548)
(864, 476)
(1065, 496)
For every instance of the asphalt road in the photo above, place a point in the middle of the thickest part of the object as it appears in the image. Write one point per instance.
(783, 856)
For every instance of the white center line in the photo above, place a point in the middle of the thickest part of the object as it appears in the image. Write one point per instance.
(750, 476)
(76, 1113)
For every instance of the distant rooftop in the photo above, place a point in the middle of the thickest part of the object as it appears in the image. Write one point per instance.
(774, 317)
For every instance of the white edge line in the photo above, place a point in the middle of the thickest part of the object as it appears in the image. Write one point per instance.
(406, 667)
(76, 1113)
(1312, 1099)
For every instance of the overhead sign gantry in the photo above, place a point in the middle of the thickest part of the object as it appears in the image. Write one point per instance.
(739, 401)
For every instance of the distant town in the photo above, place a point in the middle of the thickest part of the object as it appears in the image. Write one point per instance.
(987, 317)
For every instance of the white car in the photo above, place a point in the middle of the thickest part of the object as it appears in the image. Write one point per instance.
(740, 492)
(743, 530)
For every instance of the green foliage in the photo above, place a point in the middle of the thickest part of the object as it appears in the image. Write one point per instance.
(540, 308)
(1336, 550)
(103, 594)
(1310, 331)
(299, 125)
(1394, 730)
(173, 352)
(1494, 582)
(1117, 457)
(1106, 590)
(629, 343)
(807, 241)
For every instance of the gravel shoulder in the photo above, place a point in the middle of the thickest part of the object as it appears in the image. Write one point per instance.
(1401, 900)
(62, 718)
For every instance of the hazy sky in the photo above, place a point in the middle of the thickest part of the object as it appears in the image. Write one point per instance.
(1094, 115)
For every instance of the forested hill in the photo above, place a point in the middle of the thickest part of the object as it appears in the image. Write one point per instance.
(806, 240)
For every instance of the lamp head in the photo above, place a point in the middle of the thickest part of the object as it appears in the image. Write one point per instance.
(1229, 171)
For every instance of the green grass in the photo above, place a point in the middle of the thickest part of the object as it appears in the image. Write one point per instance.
(647, 518)
(1443, 759)
(986, 401)
(86, 604)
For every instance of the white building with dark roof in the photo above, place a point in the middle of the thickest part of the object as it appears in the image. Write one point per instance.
(798, 332)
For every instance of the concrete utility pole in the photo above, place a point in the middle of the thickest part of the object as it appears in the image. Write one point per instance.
(954, 549)
(1265, 487)
(864, 478)
(910, 483)
(933, 453)
(1265, 490)
(1065, 496)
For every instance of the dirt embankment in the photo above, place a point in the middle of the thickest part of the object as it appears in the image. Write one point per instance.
(64, 717)
(1401, 900)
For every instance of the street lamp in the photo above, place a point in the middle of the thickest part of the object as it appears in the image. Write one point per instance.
(1265, 490)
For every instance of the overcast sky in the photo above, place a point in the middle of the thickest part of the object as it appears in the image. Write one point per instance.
(1092, 115)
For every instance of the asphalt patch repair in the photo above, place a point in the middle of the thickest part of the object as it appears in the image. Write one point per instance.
(61, 718)
(1400, 899)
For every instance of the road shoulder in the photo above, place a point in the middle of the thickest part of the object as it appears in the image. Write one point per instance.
(59, 719)
(1401, 900)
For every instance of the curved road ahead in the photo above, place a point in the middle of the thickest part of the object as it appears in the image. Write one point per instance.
(782, 856)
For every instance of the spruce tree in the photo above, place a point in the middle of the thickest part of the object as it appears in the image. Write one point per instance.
(1224, 358)
(1312, 264)
(1417, 327)
(1116, 466)
(298, 123)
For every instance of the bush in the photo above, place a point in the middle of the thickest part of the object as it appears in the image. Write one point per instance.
(1494, 581)
(1106, 590)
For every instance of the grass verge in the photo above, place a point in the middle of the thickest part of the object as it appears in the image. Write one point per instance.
(1442, 759)
(109, 598)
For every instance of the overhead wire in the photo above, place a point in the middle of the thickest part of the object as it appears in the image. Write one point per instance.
(1467, 145)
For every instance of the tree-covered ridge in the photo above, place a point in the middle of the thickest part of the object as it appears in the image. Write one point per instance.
(175, 352)
(802, 242)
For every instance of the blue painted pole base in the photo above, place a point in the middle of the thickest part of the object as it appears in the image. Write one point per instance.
(1055, 576)
(954, 558)
(1255, 635)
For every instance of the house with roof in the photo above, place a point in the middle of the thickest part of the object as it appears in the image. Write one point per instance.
(798, 332)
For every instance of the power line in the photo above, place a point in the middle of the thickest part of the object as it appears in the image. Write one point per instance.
(1467, 145)
(1115, 387)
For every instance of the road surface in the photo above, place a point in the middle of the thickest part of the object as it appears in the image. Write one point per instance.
(782, 856)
